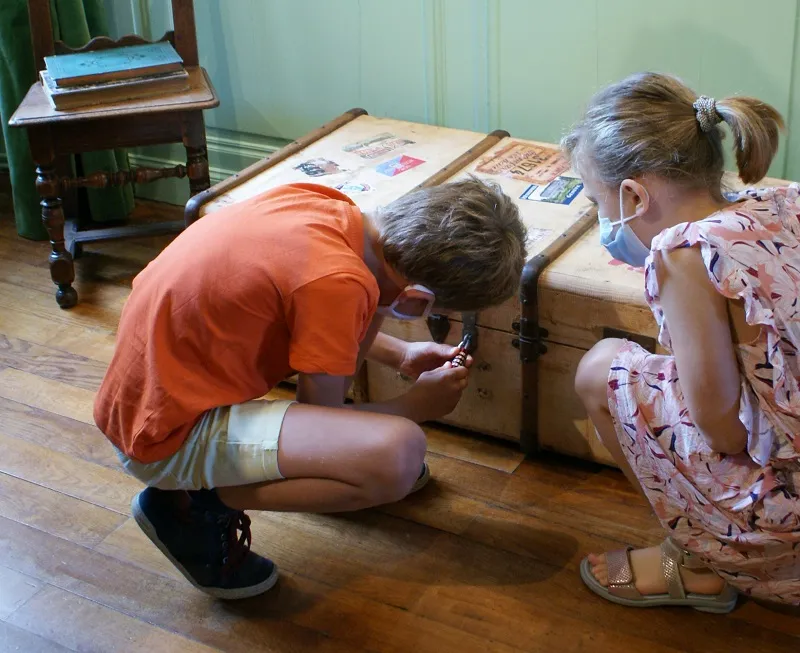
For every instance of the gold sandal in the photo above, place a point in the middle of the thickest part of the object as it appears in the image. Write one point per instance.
(622, 589)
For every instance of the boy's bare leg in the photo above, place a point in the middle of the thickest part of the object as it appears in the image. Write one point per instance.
(591, 383)
(336, 460)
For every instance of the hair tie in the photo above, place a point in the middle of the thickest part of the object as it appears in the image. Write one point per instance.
(706, 112)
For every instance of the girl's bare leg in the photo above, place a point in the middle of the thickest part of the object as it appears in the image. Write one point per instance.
(591, 384)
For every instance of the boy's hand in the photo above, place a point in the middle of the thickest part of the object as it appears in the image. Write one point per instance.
(436, 393)
(420, 357)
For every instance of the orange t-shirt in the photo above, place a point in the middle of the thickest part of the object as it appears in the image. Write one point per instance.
(236, 303)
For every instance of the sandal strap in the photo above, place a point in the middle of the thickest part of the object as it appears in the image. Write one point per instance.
(620, 574)
(672, 558)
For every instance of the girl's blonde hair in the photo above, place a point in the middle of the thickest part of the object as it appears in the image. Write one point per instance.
(654, 124)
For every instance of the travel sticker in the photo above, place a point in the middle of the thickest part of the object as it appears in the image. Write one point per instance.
(399, 164)
(535, 164)
(377, 146)
(319, 167)
(562, 190)
(527, 194)
(353, 188)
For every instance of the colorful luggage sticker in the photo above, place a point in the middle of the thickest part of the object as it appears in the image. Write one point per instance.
(562, 190)
(399, 164)
(535, 164)
(353, 188)
(377, 146)
(319, 167)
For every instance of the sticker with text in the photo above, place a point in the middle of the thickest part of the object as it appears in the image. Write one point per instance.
(562, 190)
(536, 164)
(353, 188)
(319, 167)
(528, 192)
(399, 164)
(376, 146)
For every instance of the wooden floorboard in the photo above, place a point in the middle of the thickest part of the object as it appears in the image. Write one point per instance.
(16, 589)
(21, 641)
(483, 559)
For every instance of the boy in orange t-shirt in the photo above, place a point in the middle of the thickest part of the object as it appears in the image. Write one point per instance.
(295, 280)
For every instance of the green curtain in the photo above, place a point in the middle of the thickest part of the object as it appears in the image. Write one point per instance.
(75, 22)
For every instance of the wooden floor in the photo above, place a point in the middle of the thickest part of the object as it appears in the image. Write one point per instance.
(484, 559)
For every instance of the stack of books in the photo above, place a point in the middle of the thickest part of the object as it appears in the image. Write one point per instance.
(132, 72)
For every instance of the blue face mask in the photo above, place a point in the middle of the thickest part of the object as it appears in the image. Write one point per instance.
(623, 244)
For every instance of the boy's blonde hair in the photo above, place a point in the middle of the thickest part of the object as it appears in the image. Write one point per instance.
(654, 124)
(463, 240)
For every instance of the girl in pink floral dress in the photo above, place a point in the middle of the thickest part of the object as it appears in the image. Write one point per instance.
(711, 433)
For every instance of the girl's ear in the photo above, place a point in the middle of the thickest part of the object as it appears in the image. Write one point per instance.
(638, 197)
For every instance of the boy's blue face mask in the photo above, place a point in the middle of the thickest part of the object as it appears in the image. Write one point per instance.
(622, 243)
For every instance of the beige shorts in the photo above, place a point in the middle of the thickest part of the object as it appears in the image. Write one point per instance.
(231, 445)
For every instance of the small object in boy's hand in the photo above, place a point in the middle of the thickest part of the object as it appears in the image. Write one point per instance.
(461, 356)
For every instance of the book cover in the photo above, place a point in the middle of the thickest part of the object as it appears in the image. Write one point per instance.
(113, 64)
(110, 92)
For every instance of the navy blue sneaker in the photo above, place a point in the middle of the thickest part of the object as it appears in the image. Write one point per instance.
(201, 537)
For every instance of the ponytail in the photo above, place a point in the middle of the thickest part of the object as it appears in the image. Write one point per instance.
(756, 128)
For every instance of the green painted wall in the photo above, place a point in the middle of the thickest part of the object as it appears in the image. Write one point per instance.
(282, 67)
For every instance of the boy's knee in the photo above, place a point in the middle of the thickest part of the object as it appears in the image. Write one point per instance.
(397, 461)
(591, 378)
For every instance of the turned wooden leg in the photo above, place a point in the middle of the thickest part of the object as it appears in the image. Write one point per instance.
(194, 140)
(62, 269)
(197, 169)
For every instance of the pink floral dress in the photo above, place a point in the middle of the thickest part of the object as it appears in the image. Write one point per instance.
(740, 514)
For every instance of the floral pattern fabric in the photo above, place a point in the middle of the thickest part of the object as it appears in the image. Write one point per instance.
(739, 513)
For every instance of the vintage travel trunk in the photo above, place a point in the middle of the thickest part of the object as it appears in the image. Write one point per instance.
(526, 351)
(572, 294)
